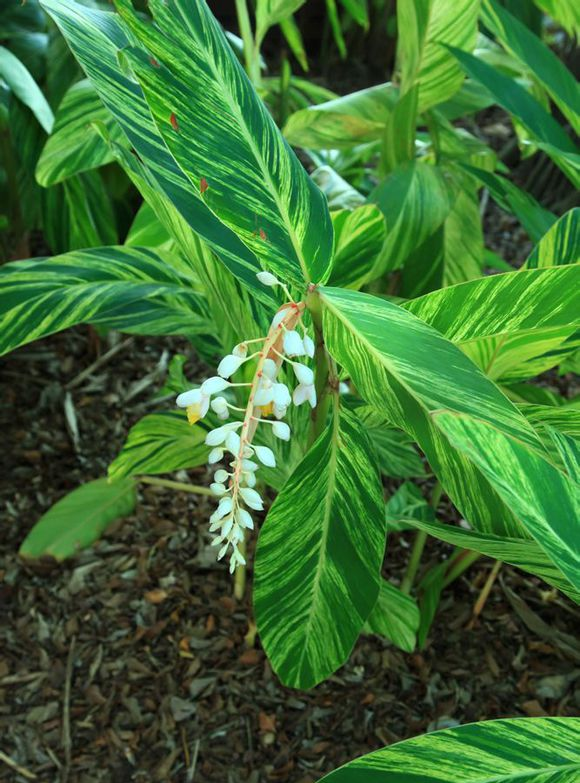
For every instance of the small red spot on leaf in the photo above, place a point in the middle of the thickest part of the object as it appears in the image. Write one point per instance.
(263, 235)
(174, 123)
(154, 62)
(203, 185)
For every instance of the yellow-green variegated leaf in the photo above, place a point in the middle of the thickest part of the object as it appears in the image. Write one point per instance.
(423, 26)
(226, 142)
(343, 122)
(97, 38)
(161, 443)
(517, 750)
(134, 289)
(428, 387)
(520, 552)
(560, 244)
(75, 145)
(271, 12)
(415, 200)
(359, 236)
(507, 323)
(395, 616)
(537, 58)
(463, 239)
(319, 556)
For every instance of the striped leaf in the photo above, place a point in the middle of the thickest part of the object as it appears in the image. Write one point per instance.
(74, 144)
(428, 387)
(395, 616)
(19, 79)
(226, 142)
(560, 244)
(536, 58)
(271, 12)
(343, 122)
(534, 750)
(135, 289)
(79, 519)
(565, 12)
(319, 556)
(514, 98)
(359, 237)
(96, 39)
(507, 323)
(396, 454)
(161, 443)
(520, 552)
(415, 200)
(423, 28)
(534, 218)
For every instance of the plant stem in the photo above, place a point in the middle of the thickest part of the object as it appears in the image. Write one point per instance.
(251, 47)
(177, 485)
(484, 595)
(419, 545)
(240, 573)
(459, 563)
(326, 377)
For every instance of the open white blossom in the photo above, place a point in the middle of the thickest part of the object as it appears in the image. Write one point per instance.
(267, 404)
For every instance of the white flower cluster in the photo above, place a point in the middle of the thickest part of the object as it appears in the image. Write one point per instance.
(268, 397)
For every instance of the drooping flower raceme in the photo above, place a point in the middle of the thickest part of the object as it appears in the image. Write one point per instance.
(267, 404)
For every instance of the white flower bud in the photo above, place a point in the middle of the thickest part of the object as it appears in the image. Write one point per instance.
(269, 369)
(263, 397)
(217, 437)
(224, 508)
(215, 455)
(233, 442)
(308, 343)
(244, 519)
(293, 345)
(214, 385)
(191, 397)
(248, 464)
(266, 456)
(303, 373)
(218, 489)
(267, 278)
(280, 411)
(249, 479)
(279, 317)
(251, 498)
(303, 393)
(281, 430)
(241, 350)
(220, 406)
(229, 364)
(281, 396)
(221, 476)
(227, 526)
(343, 388)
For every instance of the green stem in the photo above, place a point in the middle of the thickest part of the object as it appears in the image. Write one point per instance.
(326, 376)
(251, 46)
(240, 574)
(419, 545)
(177, 485)
(459, 563)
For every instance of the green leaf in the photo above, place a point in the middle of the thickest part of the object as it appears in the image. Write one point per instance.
(343, 122)
(359, 237)
(540, 61)
(79, 519)
(336, 27)
(97, 39)
(227, 143)
(406, 506)
(507, 323)
(147, 231)
(426, 386)
(396, 455)
(271, 12)
(565, 12)
(534, 218)
(560, 244)
(517, 101)
(20, 81)
(424, 26)
(161, 443)
(359, 11)
(136, 289)
(293, 37)
(395, 616)
(415, 200)
(75, 145)
(517, 750)
(520, 552)
(319, 557)
(463, 239)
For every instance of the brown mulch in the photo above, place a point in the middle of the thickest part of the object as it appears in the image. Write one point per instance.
(132, 662)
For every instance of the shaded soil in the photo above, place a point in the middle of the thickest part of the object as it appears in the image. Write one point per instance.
(132, 662)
